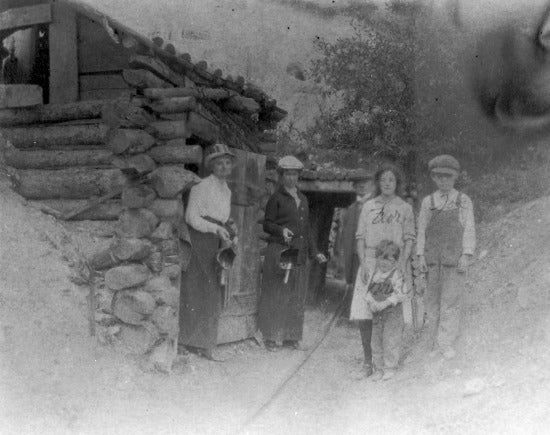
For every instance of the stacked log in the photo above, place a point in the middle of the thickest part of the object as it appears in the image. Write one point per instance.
(127, 160)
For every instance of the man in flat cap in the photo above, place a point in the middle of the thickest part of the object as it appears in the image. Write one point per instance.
(363, 184)
(445, 245)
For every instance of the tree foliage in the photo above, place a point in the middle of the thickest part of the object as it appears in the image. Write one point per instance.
(368, 82)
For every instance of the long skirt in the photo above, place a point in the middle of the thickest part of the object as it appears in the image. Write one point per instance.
(201, 294)
(281, 308)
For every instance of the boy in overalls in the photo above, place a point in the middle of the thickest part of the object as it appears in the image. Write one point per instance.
(445, 245)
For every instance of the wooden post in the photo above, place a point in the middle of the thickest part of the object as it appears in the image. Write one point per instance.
(63, 55)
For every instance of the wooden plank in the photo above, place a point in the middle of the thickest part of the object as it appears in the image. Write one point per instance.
(13, 96)
(337, 186)
(102, 81)
(237, 321)
(97, 51)
(63, 55)
(20, 18)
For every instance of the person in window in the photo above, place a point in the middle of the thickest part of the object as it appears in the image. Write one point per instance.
(208, 219)
(281, 308)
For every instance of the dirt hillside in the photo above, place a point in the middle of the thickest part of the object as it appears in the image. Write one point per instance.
(57, 380)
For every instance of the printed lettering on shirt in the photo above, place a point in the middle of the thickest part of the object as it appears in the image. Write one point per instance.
(382, 217)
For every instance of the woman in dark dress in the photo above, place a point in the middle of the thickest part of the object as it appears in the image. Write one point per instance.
(207, 217)
(281, 308)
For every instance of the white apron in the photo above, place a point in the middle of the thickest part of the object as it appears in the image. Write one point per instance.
(359, 307)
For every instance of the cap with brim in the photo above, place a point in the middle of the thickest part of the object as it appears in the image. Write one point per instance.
(290, 163)
(215, 151)
(447, 171)
(444, 164)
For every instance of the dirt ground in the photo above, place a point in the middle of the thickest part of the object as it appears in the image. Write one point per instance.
(56, 379)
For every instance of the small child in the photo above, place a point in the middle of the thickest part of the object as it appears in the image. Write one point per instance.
(446, 242)
(386, 291)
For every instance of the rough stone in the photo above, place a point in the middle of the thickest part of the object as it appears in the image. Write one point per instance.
(132, 249)
(165, 319)
(169, 247)
(126, 276)
(138, 196)
(163, 355)
(164, 231)
(104, 300)
(133, 306)
(172, 271)
(171, 181)
(154, 262)
(105, 319)
(168, 210)
(136, 223)
(103, 259)
(163, 291)
(137, 340)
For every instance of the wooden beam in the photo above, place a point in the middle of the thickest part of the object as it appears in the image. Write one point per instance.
(55, 136)
(176, 153)
(63, 55)
(52, 113)
(43, 159)
(71, 183)
(199, 93)
(326, 186)
(108, 211)
(13, 96)
(173, 105)
(20, 18)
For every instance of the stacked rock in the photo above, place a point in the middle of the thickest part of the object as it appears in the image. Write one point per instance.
(138, 295)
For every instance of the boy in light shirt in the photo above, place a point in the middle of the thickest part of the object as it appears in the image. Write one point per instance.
(445, 245)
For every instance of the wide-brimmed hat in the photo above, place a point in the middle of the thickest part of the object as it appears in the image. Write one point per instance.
(290, 163)
(444, 164)
(215, 151)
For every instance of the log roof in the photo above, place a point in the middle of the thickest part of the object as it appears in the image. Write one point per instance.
(182, 63)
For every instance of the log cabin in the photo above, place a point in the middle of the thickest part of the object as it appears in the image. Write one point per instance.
(88, 106)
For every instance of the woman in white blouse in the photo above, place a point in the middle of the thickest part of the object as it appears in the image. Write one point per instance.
(207, 216)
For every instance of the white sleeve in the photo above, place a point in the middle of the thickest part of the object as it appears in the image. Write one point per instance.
(195, 211)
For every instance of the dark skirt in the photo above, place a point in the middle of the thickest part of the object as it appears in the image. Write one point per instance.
(281, 308)
(201, 294)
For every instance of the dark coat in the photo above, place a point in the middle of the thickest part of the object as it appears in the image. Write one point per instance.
(281, 212)
(281, 307)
